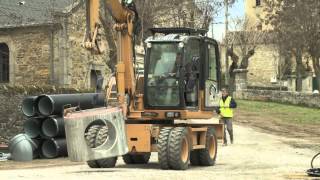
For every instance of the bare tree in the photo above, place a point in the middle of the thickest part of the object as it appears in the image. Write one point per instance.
(246, 39)
(296, 25)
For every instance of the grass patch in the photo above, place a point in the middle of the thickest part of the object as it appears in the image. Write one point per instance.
(288, 113)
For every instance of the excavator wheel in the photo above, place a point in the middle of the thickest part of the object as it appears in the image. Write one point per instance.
(91, 135)
(136, 158)
(208, 155)
(101, 135)
(91, 139)
(163, 140)
(107, 162)
(179, 148)
(93, 164)
(194, 157)
(127, 158)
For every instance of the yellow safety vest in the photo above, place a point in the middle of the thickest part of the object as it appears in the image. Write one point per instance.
(225, 110)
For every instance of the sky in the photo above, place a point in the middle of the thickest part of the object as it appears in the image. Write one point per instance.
(236, 10)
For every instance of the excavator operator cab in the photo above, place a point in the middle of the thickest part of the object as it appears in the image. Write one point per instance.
(182, 69)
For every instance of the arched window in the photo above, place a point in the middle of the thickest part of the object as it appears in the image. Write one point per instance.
(4, 63)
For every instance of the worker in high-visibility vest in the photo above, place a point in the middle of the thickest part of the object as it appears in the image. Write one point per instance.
(225, 110)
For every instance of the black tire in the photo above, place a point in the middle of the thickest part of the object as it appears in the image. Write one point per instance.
(128, 159)
(102, 136)
(179, 149)
(141, 158)
(208, 155)
(91, 135)
(93, 164)
(194, 158)
(95, 137)
(163, 141)
(107, 162)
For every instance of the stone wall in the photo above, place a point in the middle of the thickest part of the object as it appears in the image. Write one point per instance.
(287, 97)
(52, 54)
(28, 55)
(74, 63)
(11, 97)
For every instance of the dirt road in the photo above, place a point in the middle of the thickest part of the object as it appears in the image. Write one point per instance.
(255, 155)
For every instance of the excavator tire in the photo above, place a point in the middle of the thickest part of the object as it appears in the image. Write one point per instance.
(91, 135)
(179, 149)
(102, 136)
(96, 136)
(127, 158)
(163, 141)
(93, 164)
(208, 155)
(107, 162)
(194, 157)
(141, 158)
(136, 158)
(91, 138)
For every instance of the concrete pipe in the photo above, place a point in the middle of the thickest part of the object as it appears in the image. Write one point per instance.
(32, 127)
(54, 104)
(53, 127)
(28, 107)
(53, 148)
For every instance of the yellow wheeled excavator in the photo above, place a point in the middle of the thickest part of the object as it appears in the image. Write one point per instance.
(168, 109)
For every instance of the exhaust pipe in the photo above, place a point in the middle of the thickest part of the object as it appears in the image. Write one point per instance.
(32, 127)
(54, 104)
(28, 108)
(53, 127)
(53, 148)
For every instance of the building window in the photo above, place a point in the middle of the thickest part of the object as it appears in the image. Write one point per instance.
(4, 63)
(258, 2)
(95, 78)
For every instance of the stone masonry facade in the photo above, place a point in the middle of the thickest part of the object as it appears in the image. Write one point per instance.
(52, 54)
(46, 59)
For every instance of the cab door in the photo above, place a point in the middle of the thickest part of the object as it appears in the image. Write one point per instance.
(212, 75)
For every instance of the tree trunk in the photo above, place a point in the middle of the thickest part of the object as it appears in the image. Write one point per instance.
(316, 67)
(245, 59)
(299, 70)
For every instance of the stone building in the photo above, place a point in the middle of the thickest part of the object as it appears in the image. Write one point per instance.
(266, 65)
(40, 44)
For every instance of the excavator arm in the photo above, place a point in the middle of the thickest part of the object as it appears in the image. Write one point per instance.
(124, 15)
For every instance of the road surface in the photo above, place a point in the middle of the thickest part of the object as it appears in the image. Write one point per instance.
(254, 155)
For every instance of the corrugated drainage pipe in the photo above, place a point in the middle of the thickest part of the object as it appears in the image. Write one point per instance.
(28, 107)
(53, 127)
(53, 148)
(54, 104)
(32, 127)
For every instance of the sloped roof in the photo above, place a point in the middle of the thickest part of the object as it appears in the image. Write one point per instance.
(20, 13)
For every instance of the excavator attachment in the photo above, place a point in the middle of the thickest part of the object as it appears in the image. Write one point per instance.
(95, 134)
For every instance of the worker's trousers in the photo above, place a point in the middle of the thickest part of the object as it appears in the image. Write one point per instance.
(227, 127)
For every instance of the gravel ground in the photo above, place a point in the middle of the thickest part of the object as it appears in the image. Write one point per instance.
(254, 155)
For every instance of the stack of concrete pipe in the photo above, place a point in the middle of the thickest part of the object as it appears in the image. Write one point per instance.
(44, 120)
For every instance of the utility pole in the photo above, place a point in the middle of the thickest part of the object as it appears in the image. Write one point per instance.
(226, 4)
(212, 33)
